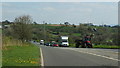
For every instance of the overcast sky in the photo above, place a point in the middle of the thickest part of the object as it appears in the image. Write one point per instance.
(59, 12)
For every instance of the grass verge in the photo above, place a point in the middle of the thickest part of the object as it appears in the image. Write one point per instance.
(106, 46)
(100, 46)
(21, 56)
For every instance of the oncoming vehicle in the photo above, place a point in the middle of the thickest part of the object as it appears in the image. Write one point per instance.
(87, 40)
(47, 44)
(41, 42)
(64, 41)
(84, 43)
(55, 45)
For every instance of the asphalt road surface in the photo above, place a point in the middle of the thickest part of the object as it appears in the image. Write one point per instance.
(63, 56)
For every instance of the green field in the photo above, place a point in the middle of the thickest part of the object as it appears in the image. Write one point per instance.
(76, 34)
(21, 56)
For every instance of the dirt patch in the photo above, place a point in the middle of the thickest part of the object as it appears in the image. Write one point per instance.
(55, 25)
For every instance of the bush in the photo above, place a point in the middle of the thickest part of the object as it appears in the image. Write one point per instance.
(71, 45)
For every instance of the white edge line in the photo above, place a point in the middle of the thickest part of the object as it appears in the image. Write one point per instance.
(42, 60)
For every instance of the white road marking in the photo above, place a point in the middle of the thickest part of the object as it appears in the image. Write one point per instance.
(95, 54)
(42, 60)
(98, 55)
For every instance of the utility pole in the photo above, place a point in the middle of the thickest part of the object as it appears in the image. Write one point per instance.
(44, 31)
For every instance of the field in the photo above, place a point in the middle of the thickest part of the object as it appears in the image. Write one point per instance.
(21, 56)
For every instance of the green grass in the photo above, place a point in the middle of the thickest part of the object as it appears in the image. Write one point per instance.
(21, 56)
(106, 46)
(71, 45)
(76, 34)
(100, 46)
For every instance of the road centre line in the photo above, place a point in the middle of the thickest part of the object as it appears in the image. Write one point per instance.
(98, 55)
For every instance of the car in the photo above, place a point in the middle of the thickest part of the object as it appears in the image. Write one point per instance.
(55, 45)
(47, 44)
(51, 44)
(41, 42)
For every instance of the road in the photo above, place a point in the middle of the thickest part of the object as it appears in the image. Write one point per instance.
(64, 56)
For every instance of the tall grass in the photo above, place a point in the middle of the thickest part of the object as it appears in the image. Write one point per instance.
(9, 41)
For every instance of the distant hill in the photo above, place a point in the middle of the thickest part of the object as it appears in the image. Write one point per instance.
(103, 34)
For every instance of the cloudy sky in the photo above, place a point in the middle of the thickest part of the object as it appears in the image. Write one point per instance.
(59, 12)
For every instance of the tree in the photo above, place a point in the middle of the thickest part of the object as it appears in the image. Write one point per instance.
(35, 23)
(82, 29)
(66, 23)
(6, 22)
(22, 28)
(74, 25)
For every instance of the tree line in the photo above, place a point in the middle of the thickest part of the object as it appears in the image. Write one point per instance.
(23, 28)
